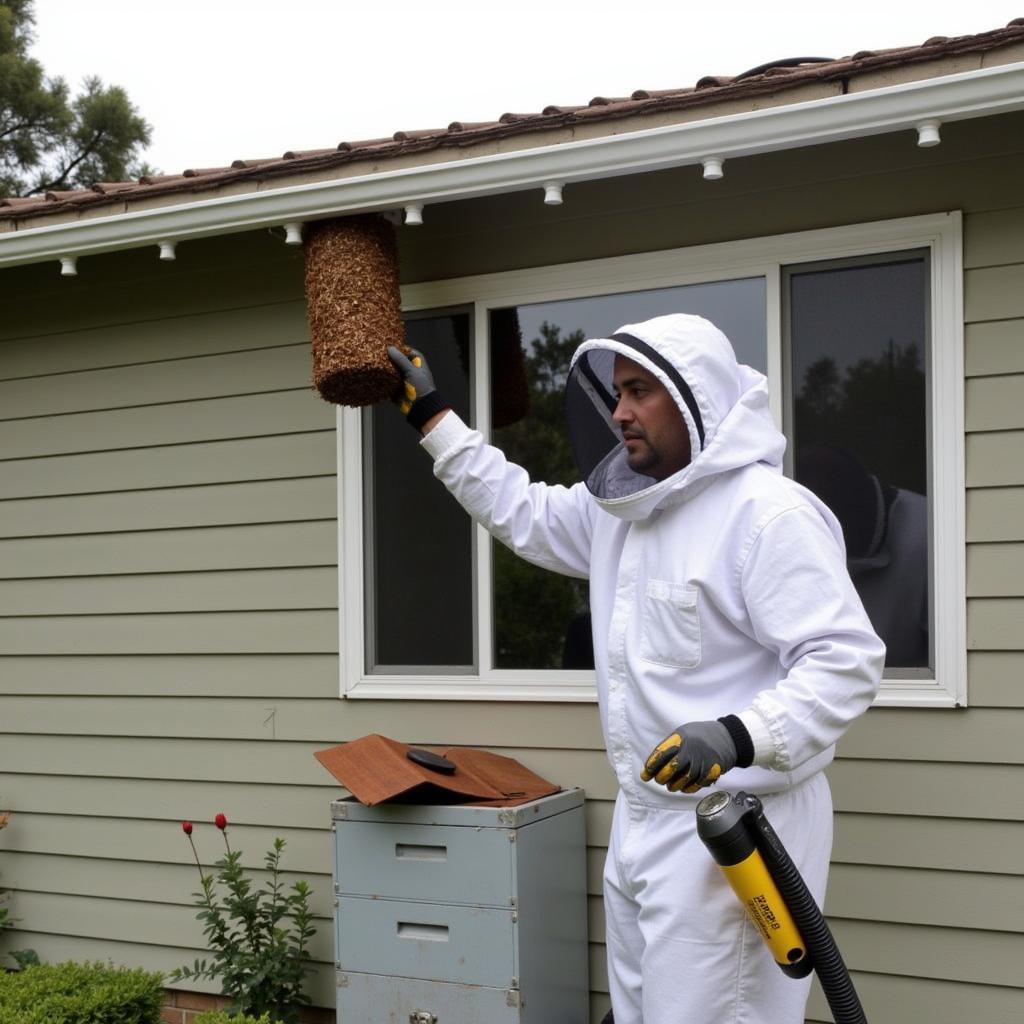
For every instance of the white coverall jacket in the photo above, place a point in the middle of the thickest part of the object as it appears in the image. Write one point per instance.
(719, 590)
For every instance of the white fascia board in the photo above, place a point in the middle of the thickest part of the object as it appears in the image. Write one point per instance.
(953, 97)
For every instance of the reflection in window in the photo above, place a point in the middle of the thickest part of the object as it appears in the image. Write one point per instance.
(419, 578)
(542, 619)
(858, 337)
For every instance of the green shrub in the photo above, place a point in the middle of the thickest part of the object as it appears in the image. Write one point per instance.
(258, 937)
(223, 1017)
(73, 993)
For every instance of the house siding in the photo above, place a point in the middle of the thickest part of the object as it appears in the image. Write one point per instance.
(168, 591)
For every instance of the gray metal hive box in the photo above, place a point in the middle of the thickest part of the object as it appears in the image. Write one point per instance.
(461, 915)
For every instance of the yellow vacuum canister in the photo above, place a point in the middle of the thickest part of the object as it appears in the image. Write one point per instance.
(722, 825)
(764, 877)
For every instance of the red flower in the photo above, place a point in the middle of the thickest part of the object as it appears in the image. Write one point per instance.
(186, 827)
(221, 821)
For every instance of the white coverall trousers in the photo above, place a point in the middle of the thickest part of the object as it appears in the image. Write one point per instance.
(681, 948)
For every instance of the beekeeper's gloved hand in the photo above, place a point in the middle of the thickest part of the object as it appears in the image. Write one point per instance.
(419, 399)
(697, 754)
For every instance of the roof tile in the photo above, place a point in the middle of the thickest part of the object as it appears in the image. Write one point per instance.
(202, 172)
(70, 195)
(419, 133)
(110, 187)
(304, 154)
(261, 162)
(159, 179)
(21, 202)
(711, 81)
(603, 112)
(386, 140)
(654, 94)
(554, 110)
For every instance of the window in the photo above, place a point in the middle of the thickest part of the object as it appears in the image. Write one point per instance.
(868, 393)
(856, 397)
(407, 629)
(542, 620)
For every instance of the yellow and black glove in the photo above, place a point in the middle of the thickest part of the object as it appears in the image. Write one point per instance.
(697, 754)
(419, 398)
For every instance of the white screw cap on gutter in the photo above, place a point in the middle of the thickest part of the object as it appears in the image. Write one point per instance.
(293, 233)
(928, 134)
(553, 193)
(167, 250)
(68, 266)
(414, 214)
(712, 168)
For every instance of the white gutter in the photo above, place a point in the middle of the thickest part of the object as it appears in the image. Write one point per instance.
(982, 93)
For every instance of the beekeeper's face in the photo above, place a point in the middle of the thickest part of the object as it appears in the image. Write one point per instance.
(653, 429)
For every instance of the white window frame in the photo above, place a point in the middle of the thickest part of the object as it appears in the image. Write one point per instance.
(765, 257)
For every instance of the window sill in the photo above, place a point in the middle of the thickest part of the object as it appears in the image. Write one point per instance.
(581, 688)
(908, 691)
(568, 687)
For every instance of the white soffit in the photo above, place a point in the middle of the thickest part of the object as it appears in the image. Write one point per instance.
(982, 93)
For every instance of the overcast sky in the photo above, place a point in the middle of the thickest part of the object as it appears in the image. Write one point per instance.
(223, 79)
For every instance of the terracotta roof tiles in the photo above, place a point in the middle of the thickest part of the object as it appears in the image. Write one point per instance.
(301, 154)
(659, 94)
(160, 179)
(550, 111)
(77, 195)
(17, 203)
(422, 133)
(261, 162)
(110, 187)
(766, 78)
(467, 126)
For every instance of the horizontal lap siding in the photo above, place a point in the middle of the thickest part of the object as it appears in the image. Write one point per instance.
(921, 809)
(168, 546)
(994, 404)
(168, 585)
(980, 951)
(918, 882)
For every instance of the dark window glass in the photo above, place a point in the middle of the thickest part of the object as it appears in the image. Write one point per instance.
(419, 577)
(542, 619)
(858, 337)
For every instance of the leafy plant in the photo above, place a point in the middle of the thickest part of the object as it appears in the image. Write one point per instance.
(258, 937)
(22, 957)
(73, 993)
(6, 921)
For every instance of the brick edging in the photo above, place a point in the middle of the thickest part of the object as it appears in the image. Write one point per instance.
(183, 1008)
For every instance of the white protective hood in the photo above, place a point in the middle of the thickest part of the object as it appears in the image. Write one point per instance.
(724, 405)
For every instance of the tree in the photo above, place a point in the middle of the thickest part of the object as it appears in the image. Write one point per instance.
(49, 139)
(874, 409)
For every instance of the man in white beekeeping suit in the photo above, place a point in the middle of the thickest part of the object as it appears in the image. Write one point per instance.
(727, 638)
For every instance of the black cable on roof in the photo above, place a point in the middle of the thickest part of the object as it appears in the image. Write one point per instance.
(787, 62)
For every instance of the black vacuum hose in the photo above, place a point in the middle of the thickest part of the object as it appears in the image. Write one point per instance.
(828, 962)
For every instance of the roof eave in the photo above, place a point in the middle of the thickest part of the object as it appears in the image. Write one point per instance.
(978, 93)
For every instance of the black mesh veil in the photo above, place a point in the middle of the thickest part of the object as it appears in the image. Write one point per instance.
(596, 440)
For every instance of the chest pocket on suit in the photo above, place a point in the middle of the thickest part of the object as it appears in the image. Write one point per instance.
(670, 632)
